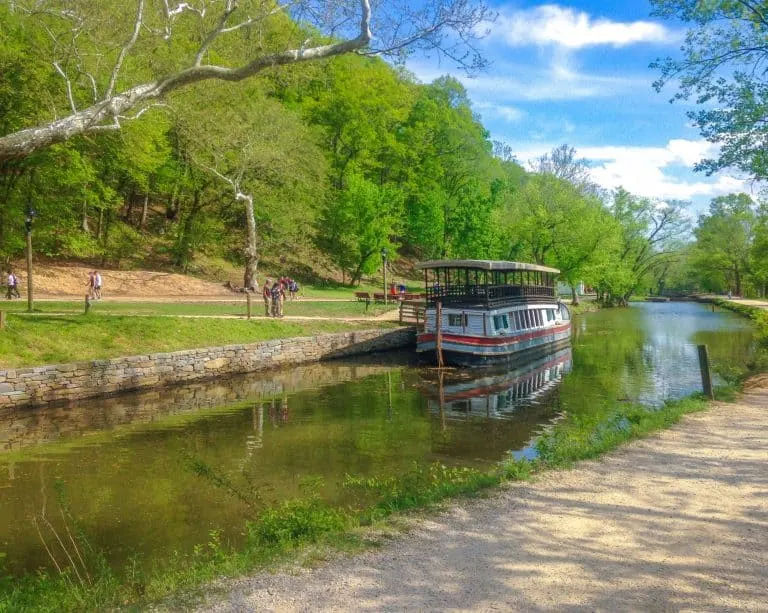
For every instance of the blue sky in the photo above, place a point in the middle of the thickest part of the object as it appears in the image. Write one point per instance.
(577, 72)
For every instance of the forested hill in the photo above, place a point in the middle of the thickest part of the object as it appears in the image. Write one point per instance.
(323, 162)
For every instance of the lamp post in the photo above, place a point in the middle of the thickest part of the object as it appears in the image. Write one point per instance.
(384, 260)
(28, 225)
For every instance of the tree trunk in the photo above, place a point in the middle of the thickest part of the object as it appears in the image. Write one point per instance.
(144, 211)
(251, 250)
(574, 296)
(84, 224)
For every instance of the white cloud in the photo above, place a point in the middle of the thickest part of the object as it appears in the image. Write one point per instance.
(506, 112)
(557, 81)
(551, 24)
(663, 173)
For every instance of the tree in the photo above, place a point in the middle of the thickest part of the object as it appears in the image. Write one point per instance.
(359, 225)
(115, 61)
(263, 152)
(650, 233)
(562, 163)
(722, 69)
(551, 222)
(724, 242)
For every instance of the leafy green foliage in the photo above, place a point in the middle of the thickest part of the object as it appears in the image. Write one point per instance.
(294, 523)
(721, 69)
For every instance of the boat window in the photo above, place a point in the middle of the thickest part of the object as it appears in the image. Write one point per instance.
(500, 322)
(458, 319)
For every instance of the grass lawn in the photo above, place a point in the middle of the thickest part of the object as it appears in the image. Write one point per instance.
(236, 307)
(50, 339)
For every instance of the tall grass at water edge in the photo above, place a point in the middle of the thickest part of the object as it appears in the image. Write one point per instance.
(309, 528)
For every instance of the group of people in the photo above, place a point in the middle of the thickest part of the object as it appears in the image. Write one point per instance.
(275, 293)
(94, 285)
(13, 286)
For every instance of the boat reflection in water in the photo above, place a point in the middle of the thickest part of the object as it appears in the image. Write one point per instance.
(499, 393)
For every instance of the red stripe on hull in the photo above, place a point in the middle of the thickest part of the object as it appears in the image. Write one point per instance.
(496, 340)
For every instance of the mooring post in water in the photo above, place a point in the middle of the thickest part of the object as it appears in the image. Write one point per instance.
(248, 303)
(706, 376)
(439, 332)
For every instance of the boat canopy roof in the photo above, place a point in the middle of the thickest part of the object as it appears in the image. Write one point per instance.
(485, 265)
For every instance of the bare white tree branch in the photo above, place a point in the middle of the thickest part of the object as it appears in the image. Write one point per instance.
(126, 48)
(68, 84)
(424, 27)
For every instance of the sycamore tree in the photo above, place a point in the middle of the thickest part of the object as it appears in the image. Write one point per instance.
(722, 68)
(650, 233)
(263, 153)
(103, 63)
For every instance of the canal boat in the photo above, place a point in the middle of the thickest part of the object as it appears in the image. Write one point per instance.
(483, 312)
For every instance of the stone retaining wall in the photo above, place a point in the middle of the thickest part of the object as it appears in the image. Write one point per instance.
(43, 384)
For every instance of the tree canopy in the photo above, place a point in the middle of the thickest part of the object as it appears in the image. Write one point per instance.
(722, 68)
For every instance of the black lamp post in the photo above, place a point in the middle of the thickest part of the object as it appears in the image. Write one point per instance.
(384, 260)
(31, 214)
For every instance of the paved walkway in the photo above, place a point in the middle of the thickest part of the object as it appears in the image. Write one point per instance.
(675, 522)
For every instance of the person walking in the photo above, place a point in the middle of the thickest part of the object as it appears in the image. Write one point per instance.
(266, 292)
(13, 285)
(97, 284)
(277, 299)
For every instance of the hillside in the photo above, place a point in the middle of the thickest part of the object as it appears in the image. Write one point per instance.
(72, 281)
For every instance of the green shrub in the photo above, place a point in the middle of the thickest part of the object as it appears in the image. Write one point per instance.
(293, 523)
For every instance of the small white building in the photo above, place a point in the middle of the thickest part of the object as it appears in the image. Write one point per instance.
(563, 289)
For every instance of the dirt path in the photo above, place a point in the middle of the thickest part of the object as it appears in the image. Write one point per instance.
(677, 521)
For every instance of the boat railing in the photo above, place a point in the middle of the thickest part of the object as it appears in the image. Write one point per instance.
(486, 294)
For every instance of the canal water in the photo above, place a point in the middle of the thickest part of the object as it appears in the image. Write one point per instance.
(124, 467)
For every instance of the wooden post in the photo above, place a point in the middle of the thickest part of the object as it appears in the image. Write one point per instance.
(248, 303)
(30, 293)
(706, 375)
(439, 332)
(2, 320)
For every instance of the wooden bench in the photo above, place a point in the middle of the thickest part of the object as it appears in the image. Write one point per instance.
(411, 310)
(364, 297)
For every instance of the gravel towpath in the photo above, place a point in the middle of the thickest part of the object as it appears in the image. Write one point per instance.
(678, 521)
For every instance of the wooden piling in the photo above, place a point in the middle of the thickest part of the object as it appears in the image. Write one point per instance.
(439, 332)
(706, 375)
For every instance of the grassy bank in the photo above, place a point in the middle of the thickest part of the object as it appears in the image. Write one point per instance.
(49, 339)
(308, 529)
(759, 317)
